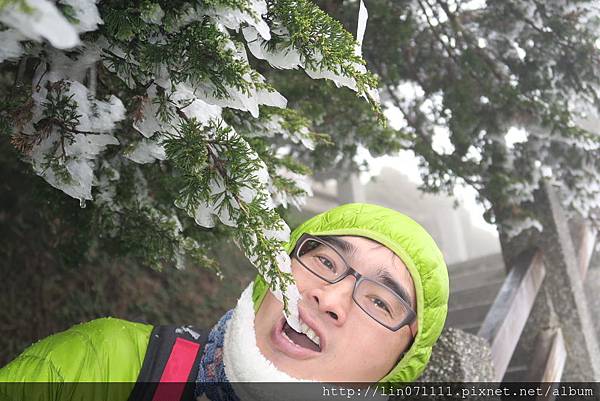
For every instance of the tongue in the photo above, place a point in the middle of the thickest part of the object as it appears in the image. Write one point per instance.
(300, 339)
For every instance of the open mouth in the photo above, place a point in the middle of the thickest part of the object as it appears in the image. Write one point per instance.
(307, 338)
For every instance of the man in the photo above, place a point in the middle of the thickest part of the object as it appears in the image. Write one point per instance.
(374, 290)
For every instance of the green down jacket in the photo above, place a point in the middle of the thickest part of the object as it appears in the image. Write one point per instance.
(112, 350)
(104, 350)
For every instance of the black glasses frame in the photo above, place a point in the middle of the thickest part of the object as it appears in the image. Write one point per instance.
(350, 271)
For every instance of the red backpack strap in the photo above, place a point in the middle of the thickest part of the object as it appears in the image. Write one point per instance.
(170, 366)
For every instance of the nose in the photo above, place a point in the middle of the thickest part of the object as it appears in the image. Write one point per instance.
(334, 299)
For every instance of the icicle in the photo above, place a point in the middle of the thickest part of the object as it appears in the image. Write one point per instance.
(82, 203)
(363, 15)
(293, 317)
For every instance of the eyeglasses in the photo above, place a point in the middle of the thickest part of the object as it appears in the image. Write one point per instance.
(377, 300)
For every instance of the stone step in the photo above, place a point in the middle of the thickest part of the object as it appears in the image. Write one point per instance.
(483, 294)
(467, 316)
(476, 279)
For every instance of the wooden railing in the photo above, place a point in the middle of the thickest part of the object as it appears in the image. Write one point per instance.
(506, 319)
(549, 357)
(587, 240)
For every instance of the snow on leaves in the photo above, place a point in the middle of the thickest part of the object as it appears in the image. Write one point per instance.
(146, 151)
(40, 19)
(177, 68)
(69, 142)
(236, 18)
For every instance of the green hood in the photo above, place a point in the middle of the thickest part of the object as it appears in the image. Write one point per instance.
(414, 246)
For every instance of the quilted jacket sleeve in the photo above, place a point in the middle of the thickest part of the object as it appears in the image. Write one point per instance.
(98, 360)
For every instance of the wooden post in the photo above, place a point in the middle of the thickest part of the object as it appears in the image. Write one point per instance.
(587, 240)
(549, 358)
(548, 361)
(508, 315)
(562, 301)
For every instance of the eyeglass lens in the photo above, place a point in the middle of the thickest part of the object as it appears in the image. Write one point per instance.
(375, 299)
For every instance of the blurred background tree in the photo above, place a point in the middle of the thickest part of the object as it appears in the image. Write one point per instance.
(495, 95)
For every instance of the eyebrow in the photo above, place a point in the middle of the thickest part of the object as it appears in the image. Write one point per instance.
(348, 249)
(387, 280)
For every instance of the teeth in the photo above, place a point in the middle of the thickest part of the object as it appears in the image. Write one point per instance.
(314, 337)
(310, 333)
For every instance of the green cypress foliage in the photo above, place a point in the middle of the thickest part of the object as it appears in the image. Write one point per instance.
(157, 116)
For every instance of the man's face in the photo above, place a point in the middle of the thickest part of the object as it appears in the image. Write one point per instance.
(353, 346)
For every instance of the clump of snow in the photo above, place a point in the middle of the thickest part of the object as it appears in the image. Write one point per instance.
(79, 162)
(150, 123)
(194, 108)
(339, 79)
(440, 141)
(514, 227)
(474, 154)
(241, 100)
(283, 59)
(86, 13)
(96, 115)
(515, 135)
(77, 155)
(234, 18)
(11, 47)
(290, 58)
(44, 21)
(74, 67)
(146, 151)
(205, 212)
